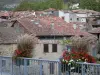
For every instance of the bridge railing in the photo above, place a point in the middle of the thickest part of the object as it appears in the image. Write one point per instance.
(30, 66)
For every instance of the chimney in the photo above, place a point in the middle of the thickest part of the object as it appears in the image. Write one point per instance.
(52, 25)
(74, 26)
(34, 14)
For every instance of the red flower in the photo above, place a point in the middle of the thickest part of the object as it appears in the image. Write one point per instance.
(76, 55)
(18, 52)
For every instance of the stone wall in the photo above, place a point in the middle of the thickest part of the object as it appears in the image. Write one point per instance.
(7, 49)
(39, 52)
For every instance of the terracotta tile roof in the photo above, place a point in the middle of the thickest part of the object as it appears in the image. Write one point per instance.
(85, 11)
(21, 14)
(95, 30)
(3, 13)
(50, 9)
(49, 25)
(7, 35)
(81, 11)
(5, 23)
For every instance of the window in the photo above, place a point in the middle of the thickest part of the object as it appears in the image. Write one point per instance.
(70, 19)
(77, 19)
(46, 48)
(63, 17)
(54, 47)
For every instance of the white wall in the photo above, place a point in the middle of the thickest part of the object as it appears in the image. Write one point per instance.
(82, 16)
(61, 13)
(82, 19)
(66, 17)
(73, 16)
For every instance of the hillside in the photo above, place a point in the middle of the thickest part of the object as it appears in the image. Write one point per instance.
(12, 3)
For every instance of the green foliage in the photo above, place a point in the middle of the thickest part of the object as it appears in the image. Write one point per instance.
(66, 42)
(90, 4)
(65, 6)
(40, 5)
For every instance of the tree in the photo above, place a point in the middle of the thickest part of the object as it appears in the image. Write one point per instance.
(83, 43)
(40, 5)
(90, 4)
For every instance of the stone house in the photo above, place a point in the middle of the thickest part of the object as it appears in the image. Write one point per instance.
(8, 37)
(49, 30)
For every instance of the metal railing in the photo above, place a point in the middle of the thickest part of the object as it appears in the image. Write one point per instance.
(30, 66)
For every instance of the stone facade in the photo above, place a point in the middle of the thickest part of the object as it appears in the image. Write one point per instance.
(39, 50)
(7, 49)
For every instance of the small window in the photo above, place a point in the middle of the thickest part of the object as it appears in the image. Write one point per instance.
(52, 11)
(63, 17)
(54, 47)
(46, 48)
(70, 19)
(77, 19)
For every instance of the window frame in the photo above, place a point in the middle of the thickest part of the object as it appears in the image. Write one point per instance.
(44, 48)
(53, 47)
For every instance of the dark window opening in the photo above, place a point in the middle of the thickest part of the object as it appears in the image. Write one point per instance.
(81, 36)
(52, 37)
(52, 12)
(77, 19)
(95, 26)
(98, 36)
(70, 19)
(4, 17)
(63, 18)
(46, 49)
(54, 47)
